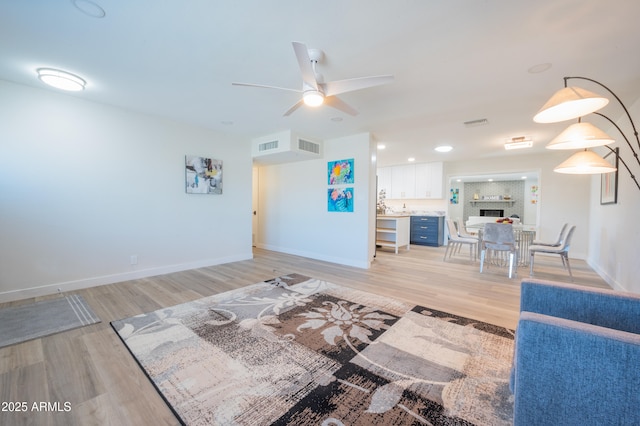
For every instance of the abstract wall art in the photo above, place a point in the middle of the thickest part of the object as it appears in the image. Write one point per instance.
(340, 200)
(340, 172)
(203, 175)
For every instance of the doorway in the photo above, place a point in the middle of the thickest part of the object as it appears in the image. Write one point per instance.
(255, 198)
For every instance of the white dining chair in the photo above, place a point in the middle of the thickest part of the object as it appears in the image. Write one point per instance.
(456, 242)
(499, 237)
(462, 230)
(557, 242)
(562, 250)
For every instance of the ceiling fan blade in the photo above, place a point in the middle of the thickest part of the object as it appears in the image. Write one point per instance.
(294, 107)
(302, 54)
(266, 87)
(337, 103)
(341, 86)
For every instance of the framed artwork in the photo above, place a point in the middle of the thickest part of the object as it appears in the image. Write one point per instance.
(455, 195)
(203, 175)
(340, 172)
(340, 200)
(609, 181)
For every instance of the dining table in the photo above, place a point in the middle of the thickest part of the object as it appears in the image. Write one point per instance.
(524, 236)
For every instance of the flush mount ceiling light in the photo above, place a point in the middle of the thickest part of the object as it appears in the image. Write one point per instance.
(443, 148)
(518, 143)
(89, 8)
(61, 79)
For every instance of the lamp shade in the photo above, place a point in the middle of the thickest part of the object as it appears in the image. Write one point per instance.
(568, 103)
(580, 135)
(585, 163)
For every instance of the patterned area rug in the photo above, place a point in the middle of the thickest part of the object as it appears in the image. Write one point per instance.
(300, 351)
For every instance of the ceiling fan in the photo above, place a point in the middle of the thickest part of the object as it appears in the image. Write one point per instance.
(315, 91)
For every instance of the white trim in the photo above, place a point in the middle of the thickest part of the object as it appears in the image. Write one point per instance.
(317, 256)
(10, 296)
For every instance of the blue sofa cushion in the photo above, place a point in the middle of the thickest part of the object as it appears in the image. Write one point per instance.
(572, 373)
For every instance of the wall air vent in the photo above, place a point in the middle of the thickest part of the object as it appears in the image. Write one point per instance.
(284, 147)
(308, 146)
(267, 146)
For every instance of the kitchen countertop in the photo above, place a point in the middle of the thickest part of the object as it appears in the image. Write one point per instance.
(413, 214)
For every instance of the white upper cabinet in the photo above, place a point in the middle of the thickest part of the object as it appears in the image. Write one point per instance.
(384, 181)
(429, 180)
(417, 181)
(403, 181)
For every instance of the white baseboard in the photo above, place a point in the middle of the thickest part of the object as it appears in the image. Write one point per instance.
(317, 256)
(605, 276)
(45, 290)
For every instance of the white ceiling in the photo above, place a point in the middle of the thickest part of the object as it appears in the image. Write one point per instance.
(453, 61)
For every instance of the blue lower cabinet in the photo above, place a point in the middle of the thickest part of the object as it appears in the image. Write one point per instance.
(427, 230)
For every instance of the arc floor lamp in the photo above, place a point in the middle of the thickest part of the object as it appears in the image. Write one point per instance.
(574, 102)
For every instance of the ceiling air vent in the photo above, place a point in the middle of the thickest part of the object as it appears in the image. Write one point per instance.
(267, 146)
(308, 146)
(476, 123)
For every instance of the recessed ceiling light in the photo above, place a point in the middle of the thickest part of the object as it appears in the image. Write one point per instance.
(89, 8)
(524, 177)
(61, 79)
(490, 180)
(444, 148)
(411, 159)
(381, 146)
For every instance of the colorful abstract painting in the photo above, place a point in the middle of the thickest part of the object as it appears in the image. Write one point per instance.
(340, 172)
(203, 175)
(340, 199)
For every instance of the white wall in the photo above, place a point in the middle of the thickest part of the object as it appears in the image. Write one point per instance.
(562, 198)
(293, 212)
(83, 187)
(614, 242)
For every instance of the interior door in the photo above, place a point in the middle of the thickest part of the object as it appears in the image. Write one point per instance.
(255, 188)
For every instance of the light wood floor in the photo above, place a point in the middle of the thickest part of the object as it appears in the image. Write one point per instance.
(91, 369)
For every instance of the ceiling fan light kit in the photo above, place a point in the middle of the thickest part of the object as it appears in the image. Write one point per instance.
(315, 91)
(313, 98)
(574, 102)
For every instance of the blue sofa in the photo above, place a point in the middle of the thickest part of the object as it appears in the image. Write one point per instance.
(577, 356)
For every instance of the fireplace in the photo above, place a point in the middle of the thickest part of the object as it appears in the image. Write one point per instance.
(492, 212)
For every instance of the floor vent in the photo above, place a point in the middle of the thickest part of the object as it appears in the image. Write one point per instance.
(268, 146)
